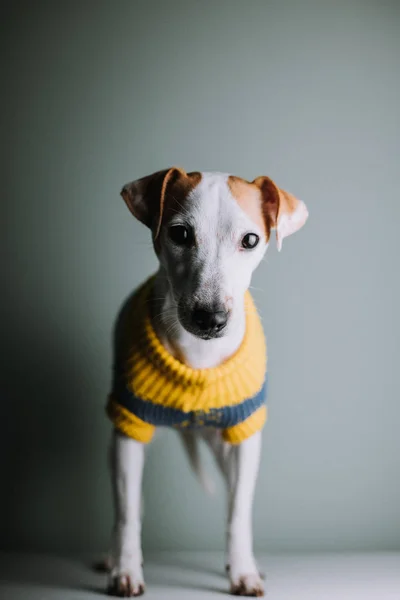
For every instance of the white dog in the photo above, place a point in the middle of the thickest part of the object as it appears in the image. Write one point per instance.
(190, 352)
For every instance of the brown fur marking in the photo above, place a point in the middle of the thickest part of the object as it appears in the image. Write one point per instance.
(148, 198)
(240, 589)
(276, 200)
(176, 193)
(124, 589)
(249, 197)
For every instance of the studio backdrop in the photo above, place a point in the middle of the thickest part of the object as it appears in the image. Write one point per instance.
(96, 94)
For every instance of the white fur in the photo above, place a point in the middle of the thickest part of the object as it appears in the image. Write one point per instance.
(127, 459)
(223, 272)
(220, 224)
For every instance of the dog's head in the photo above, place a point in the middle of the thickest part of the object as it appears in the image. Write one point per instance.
(210, 231)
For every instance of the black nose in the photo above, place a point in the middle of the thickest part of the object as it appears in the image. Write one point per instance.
(211, 321)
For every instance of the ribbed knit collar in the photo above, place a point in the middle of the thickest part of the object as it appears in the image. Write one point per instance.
(240, 376)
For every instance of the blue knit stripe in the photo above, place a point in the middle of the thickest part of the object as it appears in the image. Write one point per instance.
(159, 415)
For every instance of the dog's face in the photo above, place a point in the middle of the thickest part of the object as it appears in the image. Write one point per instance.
(210, 231)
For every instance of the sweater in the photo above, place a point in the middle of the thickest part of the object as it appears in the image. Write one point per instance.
(152, 388)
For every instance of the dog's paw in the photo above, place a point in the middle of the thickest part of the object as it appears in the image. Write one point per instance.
(126, 584)
(247, 585)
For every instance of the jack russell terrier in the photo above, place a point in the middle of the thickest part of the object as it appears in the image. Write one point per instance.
(190, 351)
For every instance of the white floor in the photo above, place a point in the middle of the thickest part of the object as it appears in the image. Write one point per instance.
(189, 576)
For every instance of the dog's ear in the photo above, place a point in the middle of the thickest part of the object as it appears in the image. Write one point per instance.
(282, 211)
(145, 197)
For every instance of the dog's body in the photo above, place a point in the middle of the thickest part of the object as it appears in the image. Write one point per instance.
(210, 231)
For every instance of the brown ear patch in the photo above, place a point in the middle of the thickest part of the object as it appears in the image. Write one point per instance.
(151, 198)
(249, 197)
(269, 200)
(176, 191)
(282, 211)
(269, 206)
(143, 196)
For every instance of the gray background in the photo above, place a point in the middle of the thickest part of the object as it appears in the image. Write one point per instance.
(98, 93)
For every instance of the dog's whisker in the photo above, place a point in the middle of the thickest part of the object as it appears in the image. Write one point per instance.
(170, 327)
(184, 209)
(167, 310)
(155, 299)
(165, 317)
(162, 318)
(178, 212)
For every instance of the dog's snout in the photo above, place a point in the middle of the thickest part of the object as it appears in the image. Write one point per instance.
(210, 320)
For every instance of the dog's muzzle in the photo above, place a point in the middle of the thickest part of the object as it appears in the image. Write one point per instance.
(204, 321)
(210, 321)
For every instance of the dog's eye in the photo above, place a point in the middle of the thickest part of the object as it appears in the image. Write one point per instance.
(181, 235)
(250, 241)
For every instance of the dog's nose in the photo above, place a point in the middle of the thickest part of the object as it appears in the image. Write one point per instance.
(210, 320)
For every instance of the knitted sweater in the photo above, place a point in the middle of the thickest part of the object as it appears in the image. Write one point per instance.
(152, 388)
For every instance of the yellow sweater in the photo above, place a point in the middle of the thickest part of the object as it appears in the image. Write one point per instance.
(152, 388)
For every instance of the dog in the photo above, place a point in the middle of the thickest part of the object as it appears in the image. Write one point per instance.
(189, 351)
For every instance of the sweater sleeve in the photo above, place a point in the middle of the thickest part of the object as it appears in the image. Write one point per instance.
(240, 432)
(128, 423)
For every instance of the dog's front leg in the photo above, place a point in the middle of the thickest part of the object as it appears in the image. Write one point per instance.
(243, 463)
(127, 459)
